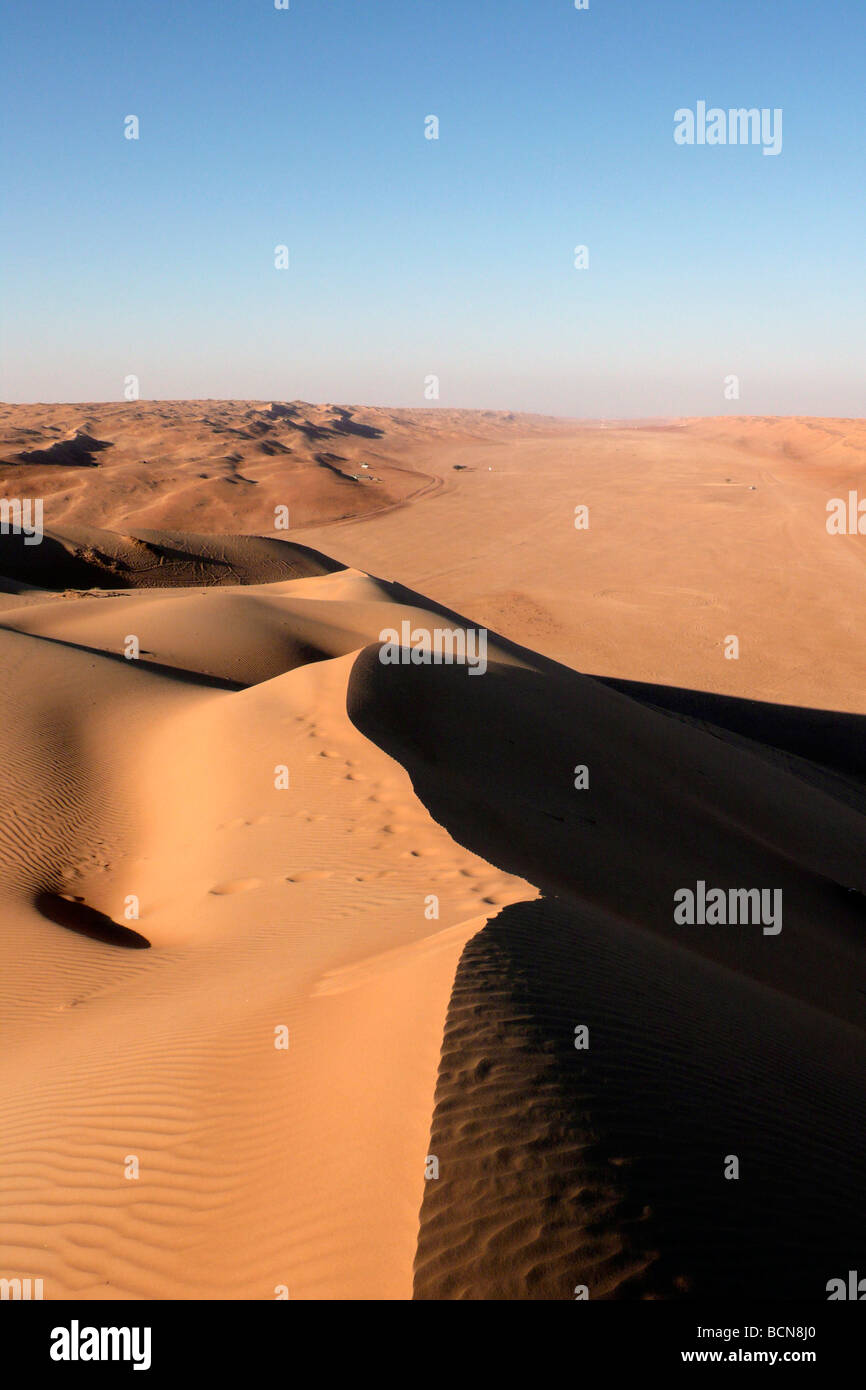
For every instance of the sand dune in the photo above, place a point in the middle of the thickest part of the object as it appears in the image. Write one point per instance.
(255, 824)
(86, 557)
(263, 908)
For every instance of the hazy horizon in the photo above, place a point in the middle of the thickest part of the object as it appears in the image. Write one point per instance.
(440, 406)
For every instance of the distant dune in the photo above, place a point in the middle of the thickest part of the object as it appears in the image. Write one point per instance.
(224, 816)
(200, 465)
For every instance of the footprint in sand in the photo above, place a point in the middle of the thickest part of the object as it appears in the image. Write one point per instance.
(235, 885)
(307, 875)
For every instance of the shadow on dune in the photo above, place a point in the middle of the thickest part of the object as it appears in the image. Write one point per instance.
(345, 423)
(834, 739)
(51, 565)
(87, 921)
(77, 452)
(669, 803)
(605, 1166)
(342, 422)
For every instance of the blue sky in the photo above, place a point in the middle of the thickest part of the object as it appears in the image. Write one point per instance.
(411, 257)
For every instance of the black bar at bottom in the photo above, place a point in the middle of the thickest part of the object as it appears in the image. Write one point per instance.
(155, 1338)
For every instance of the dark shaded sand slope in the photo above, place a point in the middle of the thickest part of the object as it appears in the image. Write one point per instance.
(605, 1167)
